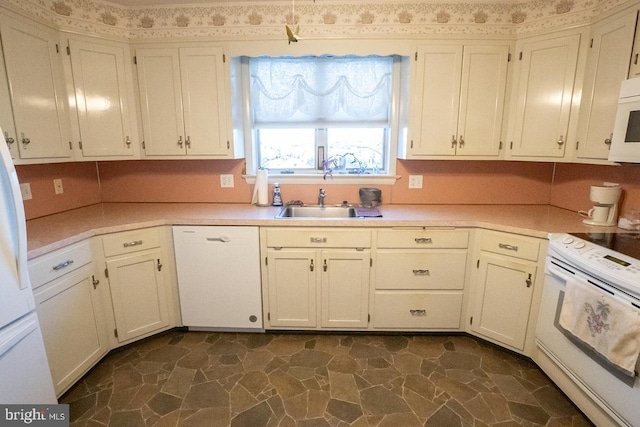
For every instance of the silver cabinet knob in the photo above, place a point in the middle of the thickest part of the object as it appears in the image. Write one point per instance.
(8, 139)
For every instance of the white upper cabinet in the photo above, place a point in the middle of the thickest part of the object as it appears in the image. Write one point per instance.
(458, 101)
(634, 66)
(545, 73)
(607, 65)
(34, 69)
(183, 95)
(6, 112)
(103, 91)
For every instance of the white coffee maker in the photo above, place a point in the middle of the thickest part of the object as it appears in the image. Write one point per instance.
(605, 209)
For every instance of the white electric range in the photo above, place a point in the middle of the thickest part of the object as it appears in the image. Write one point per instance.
(609, 263)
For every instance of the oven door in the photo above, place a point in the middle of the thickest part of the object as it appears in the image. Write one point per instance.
(625, 143)
(618, 395)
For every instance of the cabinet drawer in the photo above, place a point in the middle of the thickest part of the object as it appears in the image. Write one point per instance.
(423, 239)
(416, 269)
(318, 238)
(511, 245)
(56, 264)
(429, 310)
(131, 241)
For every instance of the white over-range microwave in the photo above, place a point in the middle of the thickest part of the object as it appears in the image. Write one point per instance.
(625, 143)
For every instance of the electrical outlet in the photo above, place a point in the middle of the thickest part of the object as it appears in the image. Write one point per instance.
(25, 189)
(57, 185)
(415, 181)
(226, 181)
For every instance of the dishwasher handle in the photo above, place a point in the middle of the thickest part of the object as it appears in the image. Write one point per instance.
(225, 238)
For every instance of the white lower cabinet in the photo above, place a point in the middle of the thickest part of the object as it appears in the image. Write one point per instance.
(316, 278)
(419, 279)
(344, 288)
(71, 311)
(135, 269)
(291, 279)
(504, 292)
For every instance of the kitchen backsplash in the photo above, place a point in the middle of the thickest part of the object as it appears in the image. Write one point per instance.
(445, 182)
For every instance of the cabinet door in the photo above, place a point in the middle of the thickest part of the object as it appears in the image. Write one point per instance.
(546, 72)
(292, 276)
(161, 102)
(503, 299)
(73, 326)
(345, 288)
(203, 97)
(6, 112)
(101, 86)
(436, 97)
(38, 97)
(607, 65)
(138, 294)
(484, 81)
(634, 66)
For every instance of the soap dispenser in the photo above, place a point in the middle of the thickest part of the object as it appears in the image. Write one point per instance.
(277, 197)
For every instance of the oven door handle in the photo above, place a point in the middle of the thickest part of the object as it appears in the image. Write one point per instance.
(560, 273)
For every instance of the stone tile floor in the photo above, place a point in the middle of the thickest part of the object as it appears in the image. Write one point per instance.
(182, 378)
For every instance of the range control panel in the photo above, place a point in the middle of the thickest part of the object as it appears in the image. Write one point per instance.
(619, 270)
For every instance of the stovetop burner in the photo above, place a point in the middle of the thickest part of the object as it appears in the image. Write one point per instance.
(624, 243)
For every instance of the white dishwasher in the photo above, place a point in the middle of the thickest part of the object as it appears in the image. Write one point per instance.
(219, 277)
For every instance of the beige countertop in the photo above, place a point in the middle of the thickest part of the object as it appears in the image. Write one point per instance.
(55, 231)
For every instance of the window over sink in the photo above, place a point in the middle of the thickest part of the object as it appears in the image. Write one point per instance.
(313, 116)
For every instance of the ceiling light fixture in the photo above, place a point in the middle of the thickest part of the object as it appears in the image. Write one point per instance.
(293, 35)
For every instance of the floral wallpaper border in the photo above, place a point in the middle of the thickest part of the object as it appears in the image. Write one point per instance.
(317, 19)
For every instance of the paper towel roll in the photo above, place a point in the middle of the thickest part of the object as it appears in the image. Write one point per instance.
(261, 188)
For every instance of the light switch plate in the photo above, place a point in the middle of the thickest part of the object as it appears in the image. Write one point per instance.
(415, 181)
(226, 181)
(25, 189)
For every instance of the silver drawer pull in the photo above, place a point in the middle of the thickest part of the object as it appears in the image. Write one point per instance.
(62, 265)
(318, 239)
(508, 247)
(223, 239)
(133, 243)
(421, 272)
(423, 240)
(418, 312)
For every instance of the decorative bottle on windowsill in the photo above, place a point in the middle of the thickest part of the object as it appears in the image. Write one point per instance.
(277, 197)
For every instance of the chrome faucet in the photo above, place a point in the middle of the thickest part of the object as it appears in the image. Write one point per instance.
(321, 197)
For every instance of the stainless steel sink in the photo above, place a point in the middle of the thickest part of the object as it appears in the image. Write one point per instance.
(316, 212)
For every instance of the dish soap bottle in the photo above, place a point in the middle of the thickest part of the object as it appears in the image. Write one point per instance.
(277, 197)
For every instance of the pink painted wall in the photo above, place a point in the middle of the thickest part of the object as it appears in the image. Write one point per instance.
(572, 181)
(172, 181)
(445, 182)
(79, 182)
(474, 182)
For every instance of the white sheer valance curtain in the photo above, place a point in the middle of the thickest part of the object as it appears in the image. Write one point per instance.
(310, 91)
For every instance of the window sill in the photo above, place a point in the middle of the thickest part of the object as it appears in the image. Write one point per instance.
(335, 179)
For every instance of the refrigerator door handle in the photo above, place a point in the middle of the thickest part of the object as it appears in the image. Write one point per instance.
(18, 229)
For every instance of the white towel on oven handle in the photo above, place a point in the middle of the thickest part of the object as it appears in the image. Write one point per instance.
(607, 325)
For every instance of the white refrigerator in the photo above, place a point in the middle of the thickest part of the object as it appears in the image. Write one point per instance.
(24, 371)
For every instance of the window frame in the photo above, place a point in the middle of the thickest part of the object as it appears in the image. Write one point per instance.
(397, 122)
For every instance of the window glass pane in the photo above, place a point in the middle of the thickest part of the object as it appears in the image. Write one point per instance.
(286, 148)
(366, 147)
